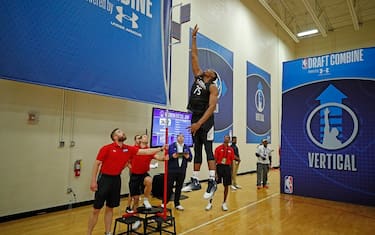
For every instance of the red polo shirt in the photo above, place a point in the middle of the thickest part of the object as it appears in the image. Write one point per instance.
(141, 163)
(224, 152)
(114, 158)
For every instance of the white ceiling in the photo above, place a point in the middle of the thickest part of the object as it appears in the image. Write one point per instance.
(325, 15)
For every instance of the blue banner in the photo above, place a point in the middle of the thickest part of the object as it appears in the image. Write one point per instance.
(214, 56)
(328, 127)
(109, 47)
(258, 104)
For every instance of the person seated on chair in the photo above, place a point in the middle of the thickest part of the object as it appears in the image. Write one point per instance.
(140, 181)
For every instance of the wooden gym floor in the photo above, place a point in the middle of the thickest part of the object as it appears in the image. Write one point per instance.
(251, 211)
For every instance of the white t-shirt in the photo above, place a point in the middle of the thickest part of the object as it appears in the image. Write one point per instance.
(264, 154)
(180, 149)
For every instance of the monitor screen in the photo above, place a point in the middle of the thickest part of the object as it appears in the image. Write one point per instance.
(178, 122)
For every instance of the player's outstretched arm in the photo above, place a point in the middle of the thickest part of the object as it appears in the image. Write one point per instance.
(194, 53)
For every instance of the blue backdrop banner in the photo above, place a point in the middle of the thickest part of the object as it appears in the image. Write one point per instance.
(258, 104)
(214, 56)
(108, 47)
(328, 127)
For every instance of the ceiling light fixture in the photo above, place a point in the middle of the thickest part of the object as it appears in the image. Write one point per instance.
(308, 32)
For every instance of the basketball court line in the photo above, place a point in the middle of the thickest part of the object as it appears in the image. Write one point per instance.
(230, 213)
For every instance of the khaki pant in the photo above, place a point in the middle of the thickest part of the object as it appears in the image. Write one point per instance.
(235, 166)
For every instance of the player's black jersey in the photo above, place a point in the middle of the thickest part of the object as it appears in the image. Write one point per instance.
(199, 100)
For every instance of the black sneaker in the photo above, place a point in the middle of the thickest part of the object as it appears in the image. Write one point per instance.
(211, 189)
(192, 185)
(129, 210)
(195, 185)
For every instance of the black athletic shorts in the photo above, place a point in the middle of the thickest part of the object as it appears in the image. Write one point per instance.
(224, 174)
(136, 184)
(203, 138)
(109, 189)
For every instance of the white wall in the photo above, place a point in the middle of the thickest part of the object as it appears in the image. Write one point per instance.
(339, 40)
(35, 172)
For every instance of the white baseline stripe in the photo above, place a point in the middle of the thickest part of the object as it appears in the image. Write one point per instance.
(231, 213)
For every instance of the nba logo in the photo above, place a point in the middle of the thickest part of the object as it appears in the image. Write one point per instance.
(305, 63)
(288, 184)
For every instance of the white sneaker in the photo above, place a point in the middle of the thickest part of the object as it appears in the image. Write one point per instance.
(147, 204)
(224, 206)
(233, 187)
(136, 225)
(187, 188)
(209, 206)
(180, 208)
(237, 186)
(154, 166)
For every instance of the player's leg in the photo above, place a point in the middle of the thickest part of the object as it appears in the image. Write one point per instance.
(112, 201)
(179, 179)
(147, 191)
(99, 199)
(265, 175)
(108, 215)
(135, 189)
(130, 199)
(93, 219)
(259, 175)
(227, 180)
(235, 166)
(211, 164)
(198, 147)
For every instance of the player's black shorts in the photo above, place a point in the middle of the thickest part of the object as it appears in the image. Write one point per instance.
(136, 184)
(203, 138)
(109, 189)
(224, 174)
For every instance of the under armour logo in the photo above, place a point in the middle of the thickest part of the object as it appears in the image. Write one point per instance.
(120, 16)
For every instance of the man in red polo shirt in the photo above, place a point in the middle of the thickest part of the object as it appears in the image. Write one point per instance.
(140, 181)
(137, 142)
(224, 155)
(105, 178)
